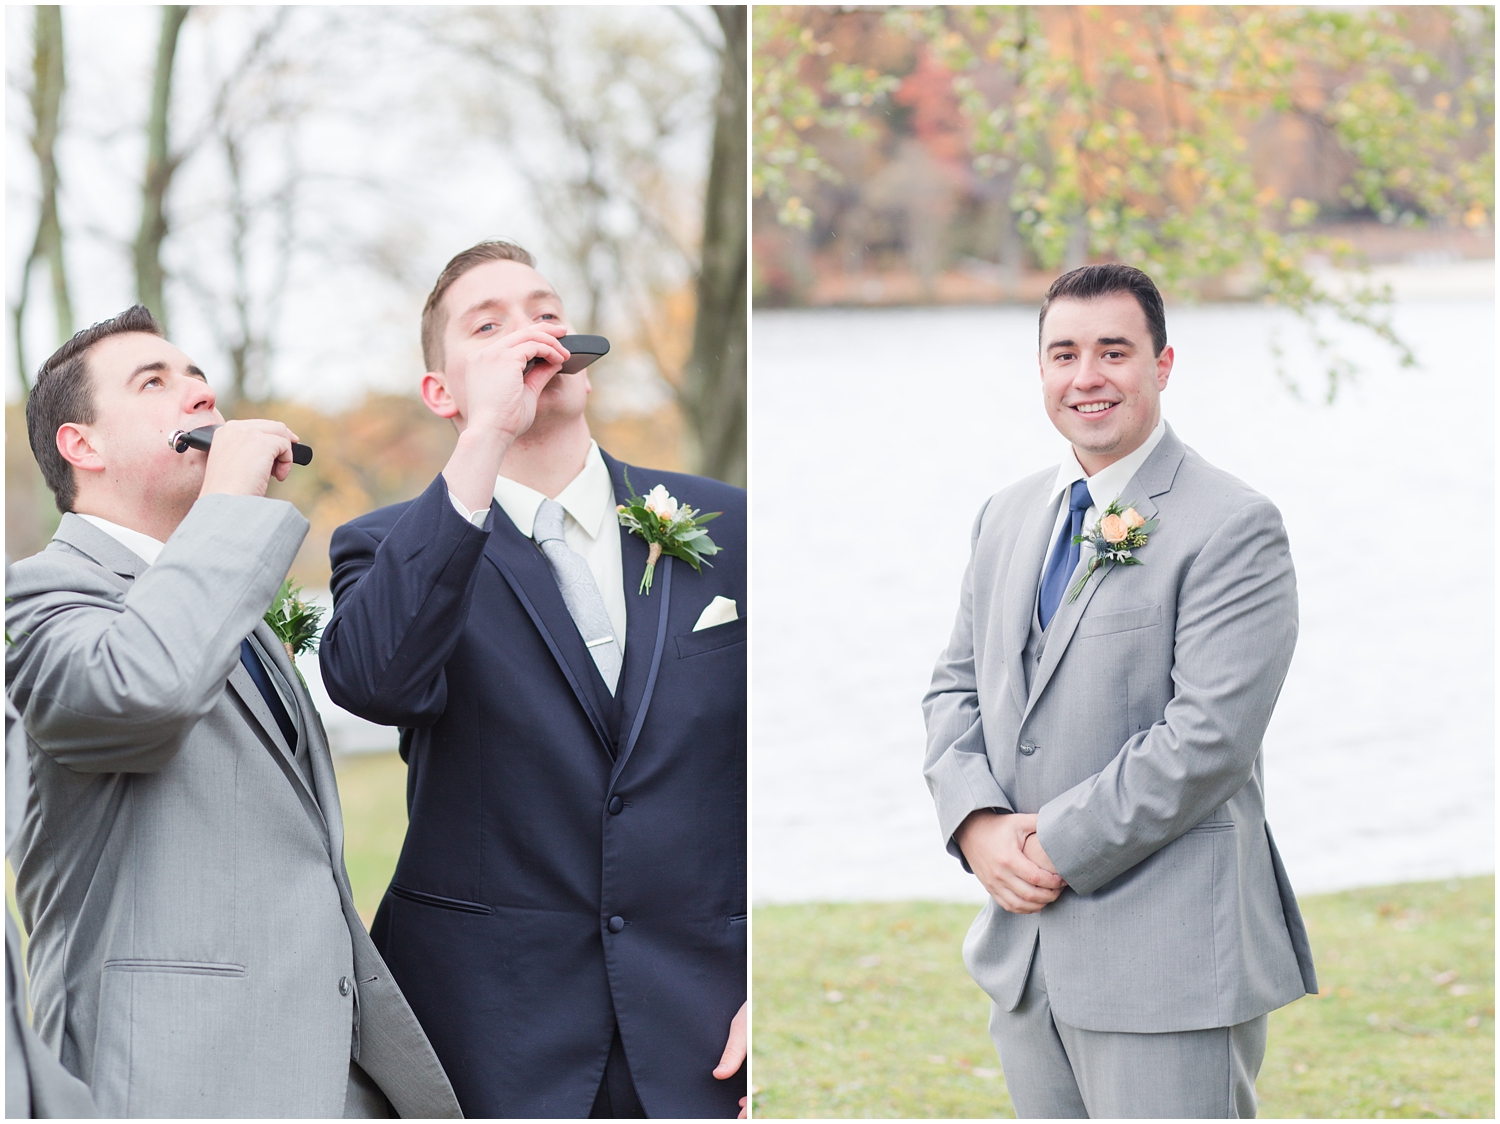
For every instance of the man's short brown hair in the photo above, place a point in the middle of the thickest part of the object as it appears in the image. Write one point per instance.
(1090, 282)
(434, 322)
(64, 393)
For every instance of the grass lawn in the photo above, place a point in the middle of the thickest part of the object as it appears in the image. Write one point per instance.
(866, 1010)
(372, 793)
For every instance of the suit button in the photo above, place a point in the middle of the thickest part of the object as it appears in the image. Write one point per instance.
(616, 924)
(344, 985)
(615, 804)
(1027, 749)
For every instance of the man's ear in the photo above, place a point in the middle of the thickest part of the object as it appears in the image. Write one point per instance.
(1163, 368)
(436, 396)
(75, 443)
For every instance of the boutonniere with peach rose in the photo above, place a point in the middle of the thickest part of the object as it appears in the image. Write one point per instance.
(1120, 530)
(669, 527)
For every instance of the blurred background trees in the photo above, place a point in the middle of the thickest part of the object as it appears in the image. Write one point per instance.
(282, 185)
(951, 154)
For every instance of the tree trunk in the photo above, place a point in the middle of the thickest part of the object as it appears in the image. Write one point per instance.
(48, 82)
(713, 387)
(47, 104)
(159, 168)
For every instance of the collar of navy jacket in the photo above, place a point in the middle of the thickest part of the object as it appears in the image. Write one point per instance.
(1152, 479)
(526, 571)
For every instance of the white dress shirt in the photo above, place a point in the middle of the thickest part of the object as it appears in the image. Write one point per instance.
(1105, 486)
(590, 526)
(144, 545)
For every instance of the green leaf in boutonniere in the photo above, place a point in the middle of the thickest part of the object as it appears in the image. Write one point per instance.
(668, 527)
(294, 621)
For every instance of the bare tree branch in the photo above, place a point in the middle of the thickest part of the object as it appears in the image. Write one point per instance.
(45, 97)
(160, 165)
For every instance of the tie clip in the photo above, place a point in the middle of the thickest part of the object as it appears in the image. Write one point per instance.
(596, 643)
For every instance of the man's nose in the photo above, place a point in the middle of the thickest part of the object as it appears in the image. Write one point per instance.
(1090, 373)
(200, 397)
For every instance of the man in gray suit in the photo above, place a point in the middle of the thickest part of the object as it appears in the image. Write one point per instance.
(1094, 743)
(195, 950)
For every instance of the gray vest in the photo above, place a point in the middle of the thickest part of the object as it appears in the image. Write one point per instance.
(1036, 641)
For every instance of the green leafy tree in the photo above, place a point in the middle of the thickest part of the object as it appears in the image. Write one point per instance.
(787, 106)
(1122, 133)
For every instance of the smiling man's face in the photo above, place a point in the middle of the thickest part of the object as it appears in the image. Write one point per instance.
(1100, 382)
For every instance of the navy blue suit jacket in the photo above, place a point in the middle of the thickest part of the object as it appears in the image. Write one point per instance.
(572, 859)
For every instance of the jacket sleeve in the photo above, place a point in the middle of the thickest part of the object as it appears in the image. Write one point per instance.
(1236, 628)
(399, 606)
(110, 682)
(957, 767)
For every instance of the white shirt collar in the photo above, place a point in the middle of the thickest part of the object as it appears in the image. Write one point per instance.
(1109, 482)
(134, 541)
(587, 498)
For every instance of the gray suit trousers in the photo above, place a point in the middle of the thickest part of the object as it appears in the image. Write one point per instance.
(1056, 1071)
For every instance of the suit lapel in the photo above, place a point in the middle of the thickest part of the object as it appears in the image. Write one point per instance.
(274, 660)
(250, 694)
(1061, 632)
(1021, 581)
(1152, 479)
(320, 760)
(525, 570)
(645, 620)
(244, 687)
(286, 681)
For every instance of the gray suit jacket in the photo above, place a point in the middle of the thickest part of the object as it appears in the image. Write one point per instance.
(36, 1084)
(195, 950)
(1138, 746)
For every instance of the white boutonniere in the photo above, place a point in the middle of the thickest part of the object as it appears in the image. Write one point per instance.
(1120, 531)
(668, 527)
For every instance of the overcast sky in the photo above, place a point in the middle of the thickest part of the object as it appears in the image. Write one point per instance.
(404, 167)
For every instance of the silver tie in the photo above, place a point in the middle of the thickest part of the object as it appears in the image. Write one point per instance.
(579, 592)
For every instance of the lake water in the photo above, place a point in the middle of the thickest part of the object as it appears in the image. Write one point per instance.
(877, 434)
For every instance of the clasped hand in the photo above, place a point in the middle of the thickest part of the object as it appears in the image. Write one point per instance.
(1006, 856)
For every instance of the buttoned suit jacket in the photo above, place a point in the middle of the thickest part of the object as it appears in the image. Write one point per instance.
(1136, 740)
(195, 950)
(572, 859)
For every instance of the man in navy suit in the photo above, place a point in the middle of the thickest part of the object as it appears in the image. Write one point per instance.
(567, 917)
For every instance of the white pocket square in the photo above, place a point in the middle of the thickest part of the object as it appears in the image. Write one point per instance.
(721, 610)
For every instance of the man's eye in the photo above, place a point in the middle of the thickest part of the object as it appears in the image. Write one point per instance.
(153, 379)
(485, 327)
(548, 316)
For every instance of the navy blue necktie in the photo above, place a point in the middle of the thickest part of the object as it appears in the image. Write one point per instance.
(273, 700)
(1064, 556)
